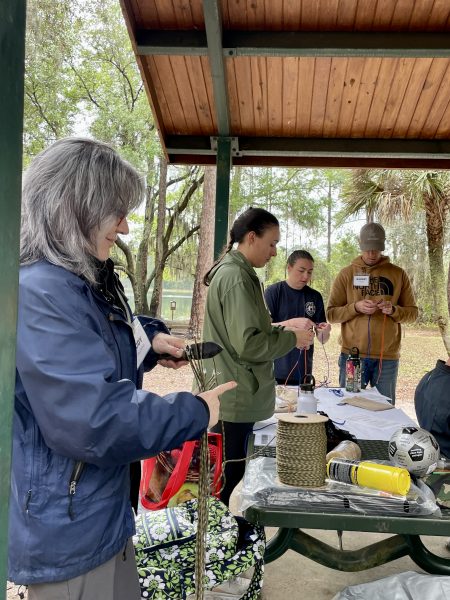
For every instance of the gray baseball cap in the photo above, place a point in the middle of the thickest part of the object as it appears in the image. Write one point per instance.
(372, 237)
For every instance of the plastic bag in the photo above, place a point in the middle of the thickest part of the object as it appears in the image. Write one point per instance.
(262, 487)
(345, 449)
(404, 586)
(171, 477)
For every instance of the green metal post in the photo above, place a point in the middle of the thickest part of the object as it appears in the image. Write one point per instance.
(12, 44)
(222, 193)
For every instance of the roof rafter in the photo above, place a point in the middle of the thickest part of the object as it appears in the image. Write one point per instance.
(291, 43)
(213, 24)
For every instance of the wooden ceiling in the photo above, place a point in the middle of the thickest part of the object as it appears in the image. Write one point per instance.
(298, 82)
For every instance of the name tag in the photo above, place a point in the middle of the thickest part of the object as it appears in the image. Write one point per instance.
(142, 342)
(361, 280)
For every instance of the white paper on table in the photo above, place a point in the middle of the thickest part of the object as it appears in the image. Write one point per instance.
(363, 424)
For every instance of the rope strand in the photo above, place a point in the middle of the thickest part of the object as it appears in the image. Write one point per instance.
(380, 366)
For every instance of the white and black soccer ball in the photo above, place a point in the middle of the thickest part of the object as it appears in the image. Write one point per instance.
(414, 449)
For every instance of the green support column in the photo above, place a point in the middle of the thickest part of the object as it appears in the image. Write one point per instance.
(12, 44)
(222, 193)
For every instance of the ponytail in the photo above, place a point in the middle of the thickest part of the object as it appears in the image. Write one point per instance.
(225, 250)
(253, 219)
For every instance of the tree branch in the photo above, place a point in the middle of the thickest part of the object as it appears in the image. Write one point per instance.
(180, 206)
(127, 80)
(170, 251)
(128, 255)
(181, 241)
(34, 100)
(85, 87)
(177, 179)
(119, 266)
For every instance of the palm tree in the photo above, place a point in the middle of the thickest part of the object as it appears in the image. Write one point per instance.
(392, 195)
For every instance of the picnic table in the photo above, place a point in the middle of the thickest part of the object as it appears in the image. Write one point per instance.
(292, 520)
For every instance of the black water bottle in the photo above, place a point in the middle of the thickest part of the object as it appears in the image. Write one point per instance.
(353, 371)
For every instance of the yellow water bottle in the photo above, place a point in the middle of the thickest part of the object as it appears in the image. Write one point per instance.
(386, 478)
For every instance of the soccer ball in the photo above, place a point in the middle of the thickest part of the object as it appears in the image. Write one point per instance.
(415, 450)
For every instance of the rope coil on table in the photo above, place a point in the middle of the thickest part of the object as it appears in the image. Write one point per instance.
(301, 450)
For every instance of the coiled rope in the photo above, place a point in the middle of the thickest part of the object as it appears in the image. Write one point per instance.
(301, 450)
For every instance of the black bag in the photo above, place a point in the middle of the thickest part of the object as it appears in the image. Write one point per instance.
(335, 435)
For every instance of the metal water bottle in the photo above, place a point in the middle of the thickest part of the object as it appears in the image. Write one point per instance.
(353, 371)
(306, 401)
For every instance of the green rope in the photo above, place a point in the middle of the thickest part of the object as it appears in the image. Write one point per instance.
(301, 451)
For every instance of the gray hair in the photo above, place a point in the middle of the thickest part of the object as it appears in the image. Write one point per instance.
(68, 191)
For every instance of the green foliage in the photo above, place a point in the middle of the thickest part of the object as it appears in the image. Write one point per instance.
(50, 106)
(344, 251)
(86, 82)
(111, 92)
(290, 194)
(81, 76)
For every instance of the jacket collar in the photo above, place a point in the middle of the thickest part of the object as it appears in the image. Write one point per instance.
(234, 257)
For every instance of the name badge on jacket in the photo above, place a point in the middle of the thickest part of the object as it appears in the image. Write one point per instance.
(142, 342)
(361, 280)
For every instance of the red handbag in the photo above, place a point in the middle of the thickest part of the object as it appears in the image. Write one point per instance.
(171, 477)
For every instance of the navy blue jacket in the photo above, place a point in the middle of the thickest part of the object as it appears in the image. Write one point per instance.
(432, 403)
(77, 399)
(286, 303)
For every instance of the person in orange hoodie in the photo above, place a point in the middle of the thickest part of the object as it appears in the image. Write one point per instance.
(370, 299)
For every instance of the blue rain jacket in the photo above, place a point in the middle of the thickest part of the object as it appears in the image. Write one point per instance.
(77, 398)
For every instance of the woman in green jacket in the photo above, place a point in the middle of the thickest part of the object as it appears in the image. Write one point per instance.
(237, 318)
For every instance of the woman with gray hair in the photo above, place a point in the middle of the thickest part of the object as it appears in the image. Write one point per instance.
(80, 415)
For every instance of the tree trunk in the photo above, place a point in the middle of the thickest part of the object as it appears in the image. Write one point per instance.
(370, 213)
(435, 212)
(155, 303)
(329, 225)
(205, 254)
(140, 292)
(448, 289)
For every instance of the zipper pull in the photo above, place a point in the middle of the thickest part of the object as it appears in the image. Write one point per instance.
(27, 501)
(74, 477)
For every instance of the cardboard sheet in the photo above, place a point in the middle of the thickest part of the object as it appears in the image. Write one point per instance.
(366, 403)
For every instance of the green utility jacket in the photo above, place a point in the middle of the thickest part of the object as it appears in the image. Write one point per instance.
(237, 318)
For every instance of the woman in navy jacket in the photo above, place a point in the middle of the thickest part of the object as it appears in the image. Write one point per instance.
(80, 417)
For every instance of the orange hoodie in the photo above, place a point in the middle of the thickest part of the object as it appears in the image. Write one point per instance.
(386, 281)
